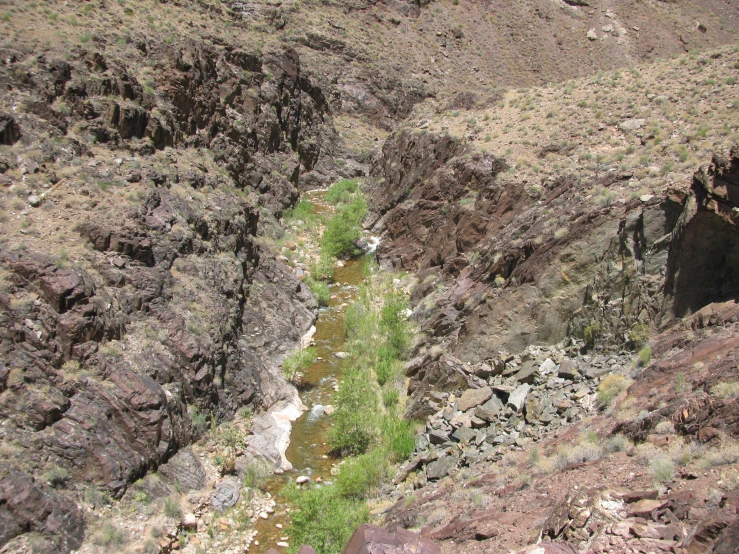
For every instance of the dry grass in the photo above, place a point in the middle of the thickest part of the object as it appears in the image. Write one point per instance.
(690, 108)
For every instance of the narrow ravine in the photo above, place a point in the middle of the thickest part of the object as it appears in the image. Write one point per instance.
(308, 450)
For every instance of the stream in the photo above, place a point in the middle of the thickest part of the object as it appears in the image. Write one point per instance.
(308, 449)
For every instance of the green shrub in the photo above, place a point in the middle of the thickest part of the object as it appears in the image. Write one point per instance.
(681, 383)
(592, 332)
(343, 230)
(397, 434)
(302, 211)
(256, 474)
(354, 420)
(141, 497)
(319, 290)
(57, 477)
(394, 323)
(609, 389)
(297, 362)
(172, 507)
(662, 469)
(342, 192)
(643, 357)
(323, 518)
(198, 418)
(385, 367)
(98, 498)
(323, 269)
(390, 398)
(360, 476)
(639, 335)
(617, 443)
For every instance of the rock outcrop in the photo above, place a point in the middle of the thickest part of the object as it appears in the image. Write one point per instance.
(169, 312)
(487, 282)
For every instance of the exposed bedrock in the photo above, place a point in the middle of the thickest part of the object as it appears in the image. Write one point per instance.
(491, 278)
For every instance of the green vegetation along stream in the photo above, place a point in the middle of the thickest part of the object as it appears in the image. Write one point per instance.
(351, 433)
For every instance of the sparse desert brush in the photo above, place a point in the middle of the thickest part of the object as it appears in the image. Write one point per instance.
(172, 507)
(561, 233)
(662, 469)
(617, 443)
(609, 389)
(728, 391)
(665, 428)
(583, 452)
(57, 477)
(723, 456)
(109, 535)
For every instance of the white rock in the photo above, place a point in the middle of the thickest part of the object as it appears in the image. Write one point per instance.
(592, 35)
(300, 480)
(548, 367)
(646, 197)
(283, 544)
(632, 124)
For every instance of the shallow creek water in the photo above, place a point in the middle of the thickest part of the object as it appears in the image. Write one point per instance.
(308, 449)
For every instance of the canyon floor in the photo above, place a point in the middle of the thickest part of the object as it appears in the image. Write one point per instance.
(555, 183)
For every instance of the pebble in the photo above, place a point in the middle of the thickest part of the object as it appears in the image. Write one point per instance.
(283, 544)
(302, 479)
(263, 515)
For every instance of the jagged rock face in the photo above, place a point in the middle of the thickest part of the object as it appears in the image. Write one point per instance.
(488, 282)
(173, 305)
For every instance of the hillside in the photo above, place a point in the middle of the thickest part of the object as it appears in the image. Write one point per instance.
(557, 178)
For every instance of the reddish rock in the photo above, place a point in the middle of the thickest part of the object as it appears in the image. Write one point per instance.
(645, 507)
(636, 496)
(549, 548)
(370, 539)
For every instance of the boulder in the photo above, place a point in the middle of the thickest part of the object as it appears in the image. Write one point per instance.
(440, 468)
(473, 397)
(548, 367)
(369, 539)
(518, 397)
(438, 436)
(567, 369)
(645, 507)
(527, 374)
(632, 124)
(464, 434)
(490, 409)
(226, 493)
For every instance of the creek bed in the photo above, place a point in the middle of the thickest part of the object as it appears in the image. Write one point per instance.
(308, 451)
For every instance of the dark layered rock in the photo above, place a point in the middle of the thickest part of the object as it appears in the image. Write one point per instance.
(10, 131)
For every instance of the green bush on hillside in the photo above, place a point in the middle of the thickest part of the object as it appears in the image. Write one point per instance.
(360, 476)
(298, 361)
(343, 230)
(323, 518)
(398, 435)
(354, 419)
(342, 192)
